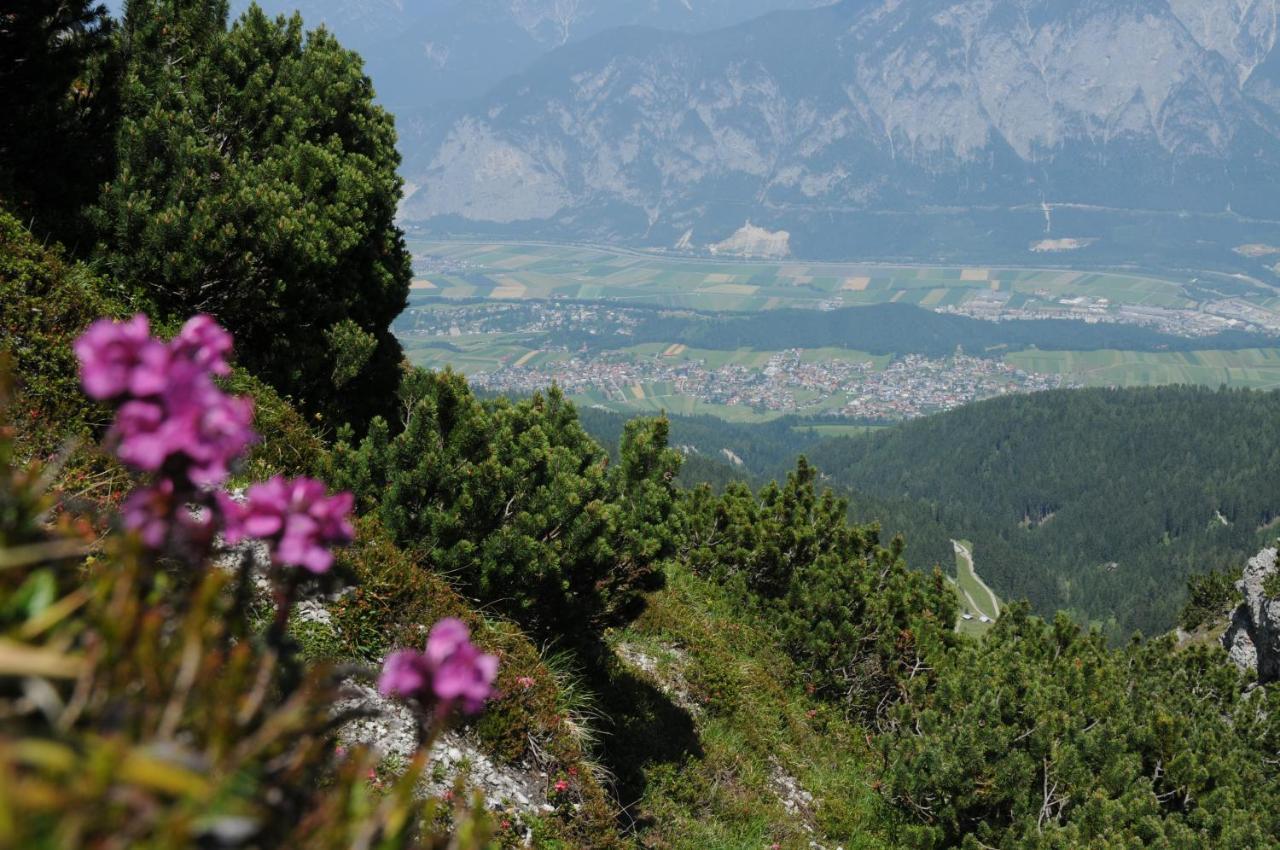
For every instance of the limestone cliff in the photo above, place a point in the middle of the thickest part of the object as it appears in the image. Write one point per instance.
(819, 118)
(1253, 638)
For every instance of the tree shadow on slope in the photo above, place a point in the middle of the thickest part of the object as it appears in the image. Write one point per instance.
(642, 728)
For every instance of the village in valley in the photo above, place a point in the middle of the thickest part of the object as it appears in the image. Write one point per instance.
(907, 387)
(557, 347)
(605, 326)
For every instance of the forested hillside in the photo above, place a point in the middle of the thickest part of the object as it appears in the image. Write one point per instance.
(906, 329)
(1100, 502)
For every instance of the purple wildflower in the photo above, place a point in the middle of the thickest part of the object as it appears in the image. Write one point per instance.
(204, 426)
(170, 407)
(404, 674)
(451, 671)
(122, 358)
(211, 432)
(446, 638)
(147, 511)
(297, 519)
(205, 344)
(151, 511)
(140, 435)
(466, 676)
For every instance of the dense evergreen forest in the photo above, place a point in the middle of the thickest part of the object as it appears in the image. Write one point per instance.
(265, 585)
(896, 329)
(907, 329)
(716, 451)
(1100, 502)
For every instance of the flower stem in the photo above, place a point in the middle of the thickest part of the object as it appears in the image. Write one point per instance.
(286, 593)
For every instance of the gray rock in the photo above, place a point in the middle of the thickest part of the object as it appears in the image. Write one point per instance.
(392, 731)
(1253, 638)
(390, 727)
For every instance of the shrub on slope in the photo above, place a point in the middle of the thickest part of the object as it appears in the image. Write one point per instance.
(518, 503)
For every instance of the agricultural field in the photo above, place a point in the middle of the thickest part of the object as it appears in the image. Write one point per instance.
(979, 605)
(528, 313)
(502, 271)
(828, 430)
(476, 353)
(1256, 368)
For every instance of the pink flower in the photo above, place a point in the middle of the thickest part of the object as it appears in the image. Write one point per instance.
(172, 419)
(446, 637)
(451, 670)
(206, 429)
(404, 674)
(170, 409)
(152, 511)
(204, 343)
(139, 433)
(561, 786)
(526, 682)
(210, 432)
(466, 676)
(148, 510)
(296, 518)
(121, 357)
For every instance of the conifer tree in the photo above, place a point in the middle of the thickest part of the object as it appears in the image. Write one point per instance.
(257, 182)
(57, 83)
(518, 503)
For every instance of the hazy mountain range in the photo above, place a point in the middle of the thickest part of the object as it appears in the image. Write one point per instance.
(422, 52)
(1158, 120)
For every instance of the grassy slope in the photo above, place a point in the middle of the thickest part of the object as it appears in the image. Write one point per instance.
(751, 740)
(975, 597)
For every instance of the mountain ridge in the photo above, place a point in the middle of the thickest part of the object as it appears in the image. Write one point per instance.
(425, 54)
(814, 120)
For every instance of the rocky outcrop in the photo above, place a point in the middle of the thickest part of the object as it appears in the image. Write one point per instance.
(391, 729)
(1253, 638)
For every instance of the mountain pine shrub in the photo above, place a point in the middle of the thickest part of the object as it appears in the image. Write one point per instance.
(517, 503)
(859, 623)
(257, 181)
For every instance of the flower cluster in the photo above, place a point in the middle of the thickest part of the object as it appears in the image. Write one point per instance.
(297, 519)
(452, 671)
(174, 421)
(171, 416)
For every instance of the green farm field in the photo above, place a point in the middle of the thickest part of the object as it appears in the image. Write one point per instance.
(976, 599)
(506, 271)
(841, 430)
(1256, 368)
